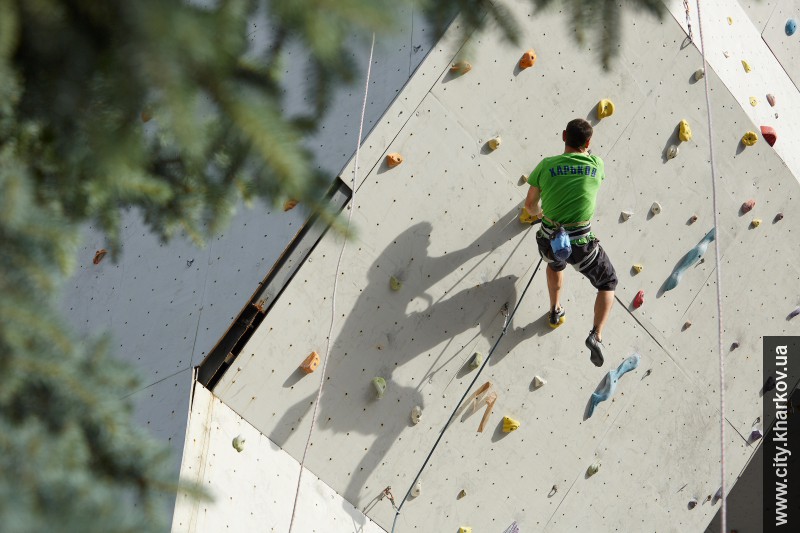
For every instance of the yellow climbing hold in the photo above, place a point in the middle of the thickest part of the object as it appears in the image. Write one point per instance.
(464, 529)
(756, 222)
(605, 108)
(750, 138)
(746, 65)
(638, 268)
(509, 424)
(685, 132)
(730, 21)
(753, 101)
(527, 218)
(494, 144)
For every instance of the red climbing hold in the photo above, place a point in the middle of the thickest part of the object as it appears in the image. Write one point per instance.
(769, 135)
(748, 206)
(639, 300)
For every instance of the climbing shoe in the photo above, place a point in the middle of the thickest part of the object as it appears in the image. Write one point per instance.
(595, 349)
(557, 317)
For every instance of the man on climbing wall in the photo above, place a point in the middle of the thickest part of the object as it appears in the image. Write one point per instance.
(567, 185)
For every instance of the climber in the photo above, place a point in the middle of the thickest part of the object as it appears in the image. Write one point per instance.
(567, 185)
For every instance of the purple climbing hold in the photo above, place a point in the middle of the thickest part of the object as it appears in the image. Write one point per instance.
(769, 384)
(794, 313)
(734, 345)
(692, 503)
(755, 434)
(778, 217)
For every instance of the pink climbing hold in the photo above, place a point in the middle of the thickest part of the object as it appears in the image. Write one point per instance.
(639, 300)
(771, 99)
(748, 206)
(769, 135)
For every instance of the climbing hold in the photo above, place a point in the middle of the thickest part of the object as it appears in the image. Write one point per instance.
(726, 53)
(655, 208)
(730, 21)
(672, 152)
(611, 379)
(238, 443)
(699, 74)
(778, 217)
(290, 204)
(692, 503)
(527, 218)
(476, 360)
(692, 219)
(461, 67)
(687, 324)
(99, 255)
(417, 490)
(416, 414)
(310, 363)
(769, 385)
(734, 345)
(464, 529)
(755, 434)
(791, 27)
(626, 215)
(593, 468)
(522, 180)
(395, 284)
(688, 260)
(509, 424)
(638, 300)
(771, 99)
(684, 131)
(638, 268)
(794, 313)
(605, 108)
(753, 101)
(528, 59)
(756, 222)
(748, 206)
(380, 386)
(392, 160)
(717, 495)
(538, 382)
(750, 138)
(769, 135)
(553, 490)
(462, 494)
(746, 65)
(494, 144)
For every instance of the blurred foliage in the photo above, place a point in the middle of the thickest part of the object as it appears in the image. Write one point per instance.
(162, 107)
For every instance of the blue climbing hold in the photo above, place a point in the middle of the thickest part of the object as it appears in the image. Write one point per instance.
(611, 381)
(791, 27)
(688, 260)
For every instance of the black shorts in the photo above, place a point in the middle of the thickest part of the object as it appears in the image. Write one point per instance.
(590, 259)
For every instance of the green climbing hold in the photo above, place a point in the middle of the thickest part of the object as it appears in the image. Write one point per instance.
(395, 284)
(476, 360)
(380, 386)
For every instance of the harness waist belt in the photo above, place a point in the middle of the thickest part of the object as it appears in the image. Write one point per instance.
(572, 234)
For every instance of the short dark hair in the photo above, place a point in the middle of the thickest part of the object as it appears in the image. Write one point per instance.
(578, 132)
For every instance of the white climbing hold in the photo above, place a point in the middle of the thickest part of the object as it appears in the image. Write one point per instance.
(380, 386)
(416, 414)
(626, 215)
(672, 153)
(417, 490)
(593, 468)
(538, 382)
(655, 208)
(699, 74)
(238, 443)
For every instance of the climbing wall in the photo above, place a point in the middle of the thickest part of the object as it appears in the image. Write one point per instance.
(443, 225)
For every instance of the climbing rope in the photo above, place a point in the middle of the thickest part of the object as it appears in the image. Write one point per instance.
(335, 284)
(506, 321)
(718, 265)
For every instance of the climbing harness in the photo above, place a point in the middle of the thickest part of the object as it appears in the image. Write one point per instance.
(722, 418)
(507, 318)
(560, 240)
(335, 284)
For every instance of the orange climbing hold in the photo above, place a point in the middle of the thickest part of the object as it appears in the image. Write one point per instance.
(310, 363)
(528, 59)
(639, 300)
(394, 159)
(461, 67)
(99, 255)
(290, 204)
(769, 135)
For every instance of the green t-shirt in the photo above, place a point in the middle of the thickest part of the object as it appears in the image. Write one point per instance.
(568, 185)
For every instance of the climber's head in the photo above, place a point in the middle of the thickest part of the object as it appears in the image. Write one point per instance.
(578, 134)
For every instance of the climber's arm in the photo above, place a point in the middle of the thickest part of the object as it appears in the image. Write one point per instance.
(532, 202)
